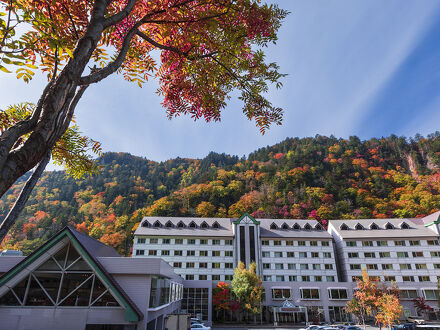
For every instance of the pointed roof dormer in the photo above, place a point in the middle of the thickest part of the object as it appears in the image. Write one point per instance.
(169, 224)
(389, 225)
(374, 226)
(204, 225)
(344, 227)
(285, 226)
(181, 224)
(216, 225)
(273, 226)
(192, 224)
(296, 227)
(359, 227)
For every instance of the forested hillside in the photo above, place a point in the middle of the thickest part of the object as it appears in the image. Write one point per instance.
(321, 178)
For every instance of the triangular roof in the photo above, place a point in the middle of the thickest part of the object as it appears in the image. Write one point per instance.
(90, 249)
(246, 215)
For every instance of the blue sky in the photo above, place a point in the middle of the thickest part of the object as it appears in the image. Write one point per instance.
(367, 68)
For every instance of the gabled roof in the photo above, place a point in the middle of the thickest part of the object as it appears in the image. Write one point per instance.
(91, 250)
(244, 216)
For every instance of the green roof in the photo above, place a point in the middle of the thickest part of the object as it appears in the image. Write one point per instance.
(246, 215)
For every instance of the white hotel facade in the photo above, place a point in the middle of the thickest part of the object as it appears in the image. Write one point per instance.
(299, 261)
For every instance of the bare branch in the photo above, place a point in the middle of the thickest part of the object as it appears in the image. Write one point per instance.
(19, 204)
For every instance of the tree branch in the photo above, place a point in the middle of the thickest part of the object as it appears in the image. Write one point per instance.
(20, 203)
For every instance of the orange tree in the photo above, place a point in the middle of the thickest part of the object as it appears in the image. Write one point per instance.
(208, 48)
(372, 300)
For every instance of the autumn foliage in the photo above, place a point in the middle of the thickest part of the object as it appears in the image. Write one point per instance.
(303, 184)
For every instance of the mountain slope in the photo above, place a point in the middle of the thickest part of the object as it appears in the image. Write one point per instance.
(322, 178)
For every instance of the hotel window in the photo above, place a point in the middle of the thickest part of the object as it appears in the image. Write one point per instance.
(337, 294)
(330, 278)
(369, 255)
(309, 293)
(434, 242)
(315, 254)
(399, 243)
(203, 277)
(177, 265)
(266, 266)
(154, 240)
(367, 243)
(408, 294)
(279, 266)
(303, 254)
(402, 254)
(141, 240)
(435, 254)
(318, 278)
(418, 254)
(203, 253)
(387, 266)
(291, 266)
(228, 242)
(178, 253)
(372, 266)
(353, 254)
(276, 243)
(326, 254)
(266, 254)
(281, 294)
(278, 254)
(384, 254)
(355, 266)
(305, 278)
(389, 278)
(215, 242)
(421, 266)
(140, 252)
(191, 241)
(203, 241)
(152, 252)
(203, 265)
(290, 254)
(356, 278)
(228, 253)
(328, 266)
(316, 267)
(430, 294)
(382, 243)
(228, 277)
(304, 266)
(292, 278)
(267, 278)
(166, 241)
(414, 243)
(216, 277)
(408, 278)
(228, 265)
(325, 243)
(165, 253)
(190, 265)
(301, 243)
(216, 265)
(189, 277)
(264, 242)
(190, 253)
(279, 278)
(289, 243)
(424, 279)
(178, 241)
(436, 266)
(351, 243)
(313, 243)
(215, 253)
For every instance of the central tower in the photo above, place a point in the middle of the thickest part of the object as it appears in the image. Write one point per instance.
(247, 241)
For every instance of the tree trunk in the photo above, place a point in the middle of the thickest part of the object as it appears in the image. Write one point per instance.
(23, 197)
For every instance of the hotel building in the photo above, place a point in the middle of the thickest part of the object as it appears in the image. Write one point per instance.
(298, 260)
